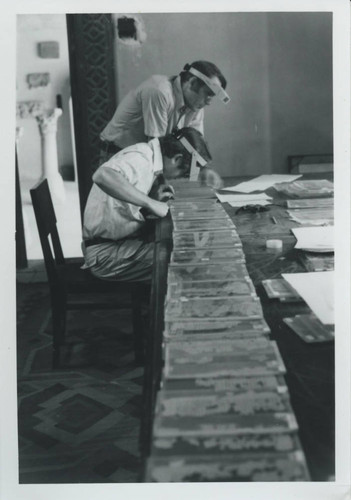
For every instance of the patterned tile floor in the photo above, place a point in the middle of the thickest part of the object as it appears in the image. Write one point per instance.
(78, 424)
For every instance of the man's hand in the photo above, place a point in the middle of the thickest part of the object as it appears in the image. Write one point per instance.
(158, 208)
(165, 192)
(210, 178)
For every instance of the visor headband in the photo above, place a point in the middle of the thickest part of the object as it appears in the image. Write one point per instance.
(216, 89)
(195, 155)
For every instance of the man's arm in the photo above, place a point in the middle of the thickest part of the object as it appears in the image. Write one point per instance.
(114, 184)
(154, 108)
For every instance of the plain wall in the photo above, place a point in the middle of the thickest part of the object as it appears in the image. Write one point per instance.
(281, 96)
(32, 29)
(301, 85)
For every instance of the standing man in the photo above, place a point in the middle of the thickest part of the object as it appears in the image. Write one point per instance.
(160, 105)
(115, 247)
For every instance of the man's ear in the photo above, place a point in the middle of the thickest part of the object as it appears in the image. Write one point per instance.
(194, 84)
(177, 159)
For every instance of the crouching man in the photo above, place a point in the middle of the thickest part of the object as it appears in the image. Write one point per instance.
(115, 243)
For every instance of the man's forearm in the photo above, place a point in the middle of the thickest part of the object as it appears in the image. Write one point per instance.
(115, 185)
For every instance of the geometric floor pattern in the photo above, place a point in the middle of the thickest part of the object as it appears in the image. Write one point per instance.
(79, 423)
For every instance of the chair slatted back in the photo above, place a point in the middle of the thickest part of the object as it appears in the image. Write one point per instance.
(47, 228)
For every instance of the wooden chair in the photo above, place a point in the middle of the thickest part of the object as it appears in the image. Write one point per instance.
(69, 283)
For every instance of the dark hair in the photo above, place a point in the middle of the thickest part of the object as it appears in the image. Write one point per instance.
(207, 68)
(170, 145)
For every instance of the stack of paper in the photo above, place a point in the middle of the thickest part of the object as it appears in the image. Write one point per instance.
(261, 183)
(315, 239)
(313, 216)
(307, 189)
(311, 202)
(240, 200)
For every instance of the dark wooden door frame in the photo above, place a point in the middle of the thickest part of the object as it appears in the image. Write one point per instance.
(93, 89)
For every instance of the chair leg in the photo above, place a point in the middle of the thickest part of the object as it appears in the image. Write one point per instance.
(58, 330)
(138, 327)
(56, 356)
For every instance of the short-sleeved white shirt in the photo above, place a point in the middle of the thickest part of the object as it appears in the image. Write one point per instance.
(107, 217)
(151, 110)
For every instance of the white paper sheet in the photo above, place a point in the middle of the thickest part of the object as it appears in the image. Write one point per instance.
(244, 199)
(312, 216)
(317, 289)
(315, 239)
(262, 183)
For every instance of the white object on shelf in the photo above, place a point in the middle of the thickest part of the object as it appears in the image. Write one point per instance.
(47, 123)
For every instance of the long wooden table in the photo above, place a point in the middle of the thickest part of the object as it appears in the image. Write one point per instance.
(310, 367)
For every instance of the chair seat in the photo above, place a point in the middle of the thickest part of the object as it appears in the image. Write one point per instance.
(79, 280)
